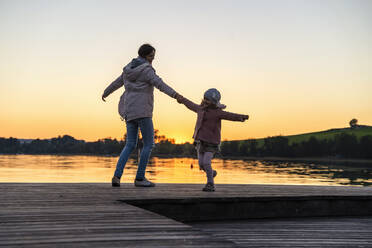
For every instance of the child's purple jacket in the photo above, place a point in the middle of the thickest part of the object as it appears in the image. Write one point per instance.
(208, 124)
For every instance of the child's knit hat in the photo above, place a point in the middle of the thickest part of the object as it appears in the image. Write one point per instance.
(214, 96)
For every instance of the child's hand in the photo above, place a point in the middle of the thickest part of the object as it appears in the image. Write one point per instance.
(179, 98)
(245, 117)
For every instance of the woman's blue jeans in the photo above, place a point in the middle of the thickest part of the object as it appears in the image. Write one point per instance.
(147, 131)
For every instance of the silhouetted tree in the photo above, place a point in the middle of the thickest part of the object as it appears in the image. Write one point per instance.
(353, 123)
(243, 148)
(253, 147)
(230, 148)
(312, 147)
(365, 146)
(164, 147)
(9, 146)
(276, 146)
(346, 145)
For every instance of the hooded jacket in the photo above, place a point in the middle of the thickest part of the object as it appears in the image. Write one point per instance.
(208, 123)
(139, 79)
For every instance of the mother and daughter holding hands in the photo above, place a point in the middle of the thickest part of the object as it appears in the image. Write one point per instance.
(136, 107)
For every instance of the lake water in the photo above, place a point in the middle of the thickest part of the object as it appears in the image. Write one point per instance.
(56, 168)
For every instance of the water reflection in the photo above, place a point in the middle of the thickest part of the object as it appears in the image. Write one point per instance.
(54, 168)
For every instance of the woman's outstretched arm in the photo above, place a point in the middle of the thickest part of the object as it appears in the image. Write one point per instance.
(112, 87)
(156, 81)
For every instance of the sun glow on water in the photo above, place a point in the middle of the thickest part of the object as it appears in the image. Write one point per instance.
(52, 168)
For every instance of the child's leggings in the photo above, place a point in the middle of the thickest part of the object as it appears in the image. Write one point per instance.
(205, 159)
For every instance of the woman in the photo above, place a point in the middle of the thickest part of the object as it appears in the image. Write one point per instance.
(136, 107)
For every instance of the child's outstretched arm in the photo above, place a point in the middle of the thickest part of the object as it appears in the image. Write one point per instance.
(189, 104)
(232, 116)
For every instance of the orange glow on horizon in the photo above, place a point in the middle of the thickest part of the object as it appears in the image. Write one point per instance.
(182, 140)
(289, 79)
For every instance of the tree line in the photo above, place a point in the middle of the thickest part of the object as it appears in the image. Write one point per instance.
(343, 145)
(69, 145)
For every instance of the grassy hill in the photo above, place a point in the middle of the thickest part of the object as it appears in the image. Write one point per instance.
(327, 134)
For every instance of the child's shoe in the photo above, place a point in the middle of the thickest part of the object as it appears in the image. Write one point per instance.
(209, 187)
(115, 181)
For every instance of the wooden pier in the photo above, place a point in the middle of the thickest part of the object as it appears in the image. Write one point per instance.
(97, 215)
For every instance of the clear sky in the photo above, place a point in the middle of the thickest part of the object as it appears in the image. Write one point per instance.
(294, 66)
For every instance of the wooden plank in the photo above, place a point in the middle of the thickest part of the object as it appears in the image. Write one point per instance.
(298, 232)
(90, 215)
(133, 244)
(74, 215)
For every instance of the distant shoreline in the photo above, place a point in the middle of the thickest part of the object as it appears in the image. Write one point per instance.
(325, 160)
(320, 160)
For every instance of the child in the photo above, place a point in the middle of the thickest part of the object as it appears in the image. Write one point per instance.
(207, 134)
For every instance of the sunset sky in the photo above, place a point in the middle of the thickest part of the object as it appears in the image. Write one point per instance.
(293, 66)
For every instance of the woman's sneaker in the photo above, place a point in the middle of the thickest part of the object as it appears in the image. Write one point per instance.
(115, 182)
(209, 187)
(143, 183)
